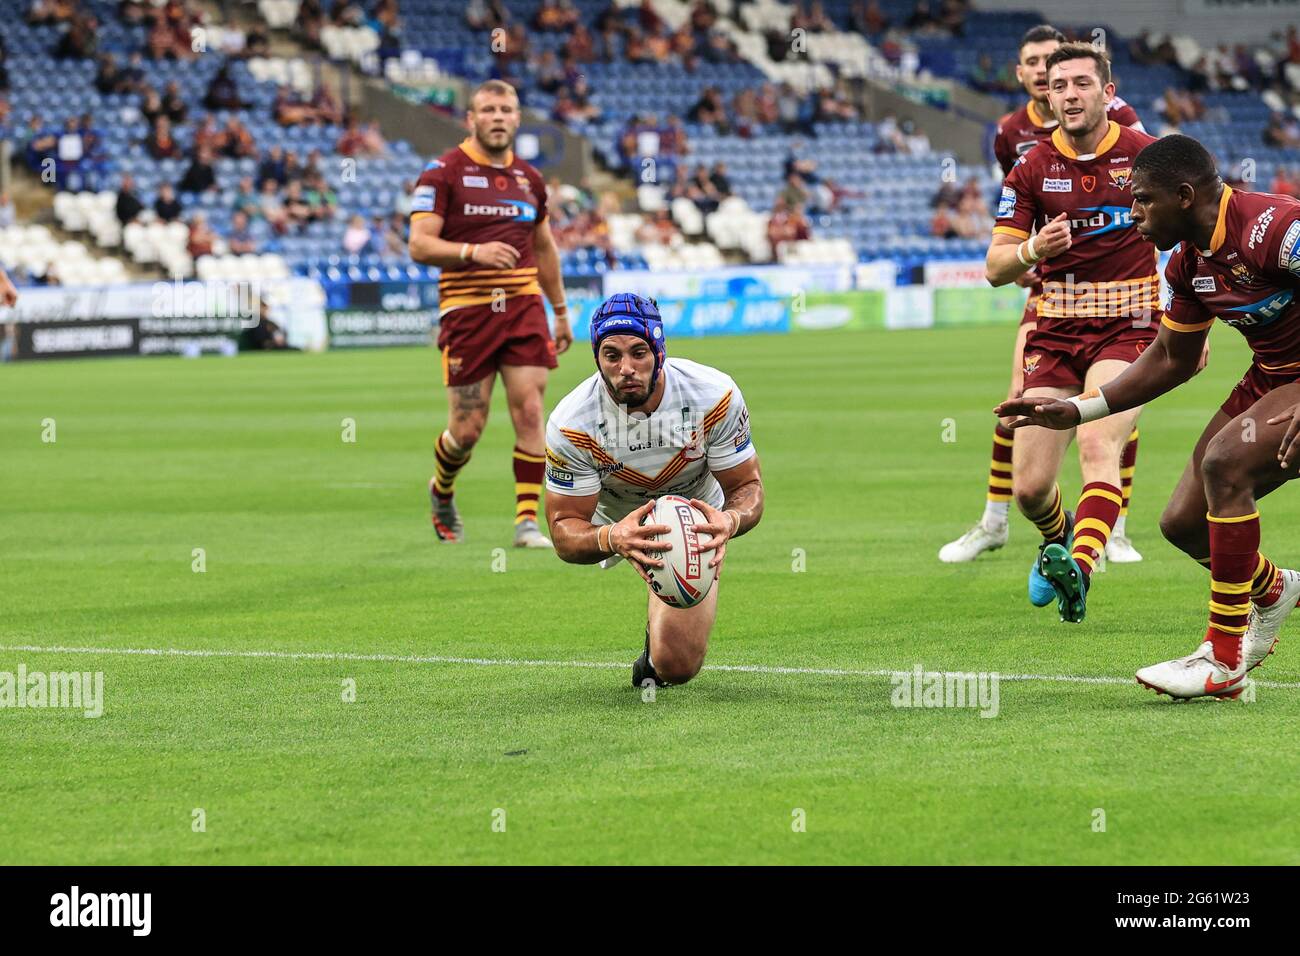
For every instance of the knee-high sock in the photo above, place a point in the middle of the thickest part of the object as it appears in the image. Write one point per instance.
(450, 458)
(529, 469)
(1099, 505)
(1127, 466)
(1236, 569)
(1051, 522)
(999, 495)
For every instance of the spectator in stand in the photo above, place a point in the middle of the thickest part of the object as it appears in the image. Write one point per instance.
(236, 141)
(325, 107)
(247, 198)
(322, 200)
(921, 20)
(241, 241)
(70, 151)
(941, 223)
(272, 167)
(952, 16)
(200, 176)
(720, 179)
(547, 72)
(790, 110)
(972, 220)
(866, 17)
(375, 144)
(915, 142)
(297, 211)
(128, 206)
(484, 15)
(202, 238)
(160, 144)
(356, 238)
(37, 143)
(1282, 131)
(289, 109)
(223, 92)
(580, 47)
(109, 78)
(307, 25)
(704, 193)
(658, 230)
(173, 103)
(812, 18)
(271, 207)
(208, 135)
(81, 39)
(353, 140)
(986, 77)
(550, 18)
(795, 191)
(672, 138)
(294, 170)
(402, 206)
(710, 110)
(1285, 183)
(786, 224)
(167, 207)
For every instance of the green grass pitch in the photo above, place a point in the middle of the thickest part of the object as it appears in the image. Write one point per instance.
(316, 545)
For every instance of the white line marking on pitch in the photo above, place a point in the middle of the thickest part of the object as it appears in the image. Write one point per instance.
(520, 662)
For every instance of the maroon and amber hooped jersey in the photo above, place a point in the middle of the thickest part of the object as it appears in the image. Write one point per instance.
(1248, 277)
(1109, 272)
(1021, 131)
(478, 203)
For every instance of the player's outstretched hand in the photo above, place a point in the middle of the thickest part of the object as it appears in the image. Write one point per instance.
(719, 526)
(1054, 238)
(636, 541)
(1205, 358)
(496, 255)
(1048, 412)
(563, 334)
(8, 294)
(1289, 449)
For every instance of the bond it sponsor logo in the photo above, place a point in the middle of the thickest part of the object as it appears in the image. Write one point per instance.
(510, 210)
(1261, 226)
(1058, 185)
(1103, 219)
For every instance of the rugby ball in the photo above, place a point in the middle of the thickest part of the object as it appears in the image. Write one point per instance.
(685, 579)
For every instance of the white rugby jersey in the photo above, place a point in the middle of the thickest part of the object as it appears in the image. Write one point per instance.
(593, 445)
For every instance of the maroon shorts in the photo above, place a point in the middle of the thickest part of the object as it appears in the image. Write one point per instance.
(1254, 385)
(1056, 358)
(476, 341)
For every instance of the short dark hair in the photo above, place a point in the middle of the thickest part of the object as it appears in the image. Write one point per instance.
(1082, 51)
(1176, 159)
(1040, 34)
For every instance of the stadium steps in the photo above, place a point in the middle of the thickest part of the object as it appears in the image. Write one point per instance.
(34, 205)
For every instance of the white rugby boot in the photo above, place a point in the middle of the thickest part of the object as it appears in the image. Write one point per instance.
(982, 537)
(528, 535)
(1265, 622)
(1196, 675)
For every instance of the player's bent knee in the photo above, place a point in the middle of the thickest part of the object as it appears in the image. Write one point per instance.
(1223, 469)
(677, 668)
(1032, 494)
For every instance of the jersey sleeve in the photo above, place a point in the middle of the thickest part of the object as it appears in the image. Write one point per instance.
(1183, 312)
(539, 190)
(729, 443)
(1125, 115)
(432, 192)
(1002, 151)
(1017, 205)
(1280, 259)
(569, 470)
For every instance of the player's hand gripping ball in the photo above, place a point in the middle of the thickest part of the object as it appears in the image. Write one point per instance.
(685, 578)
